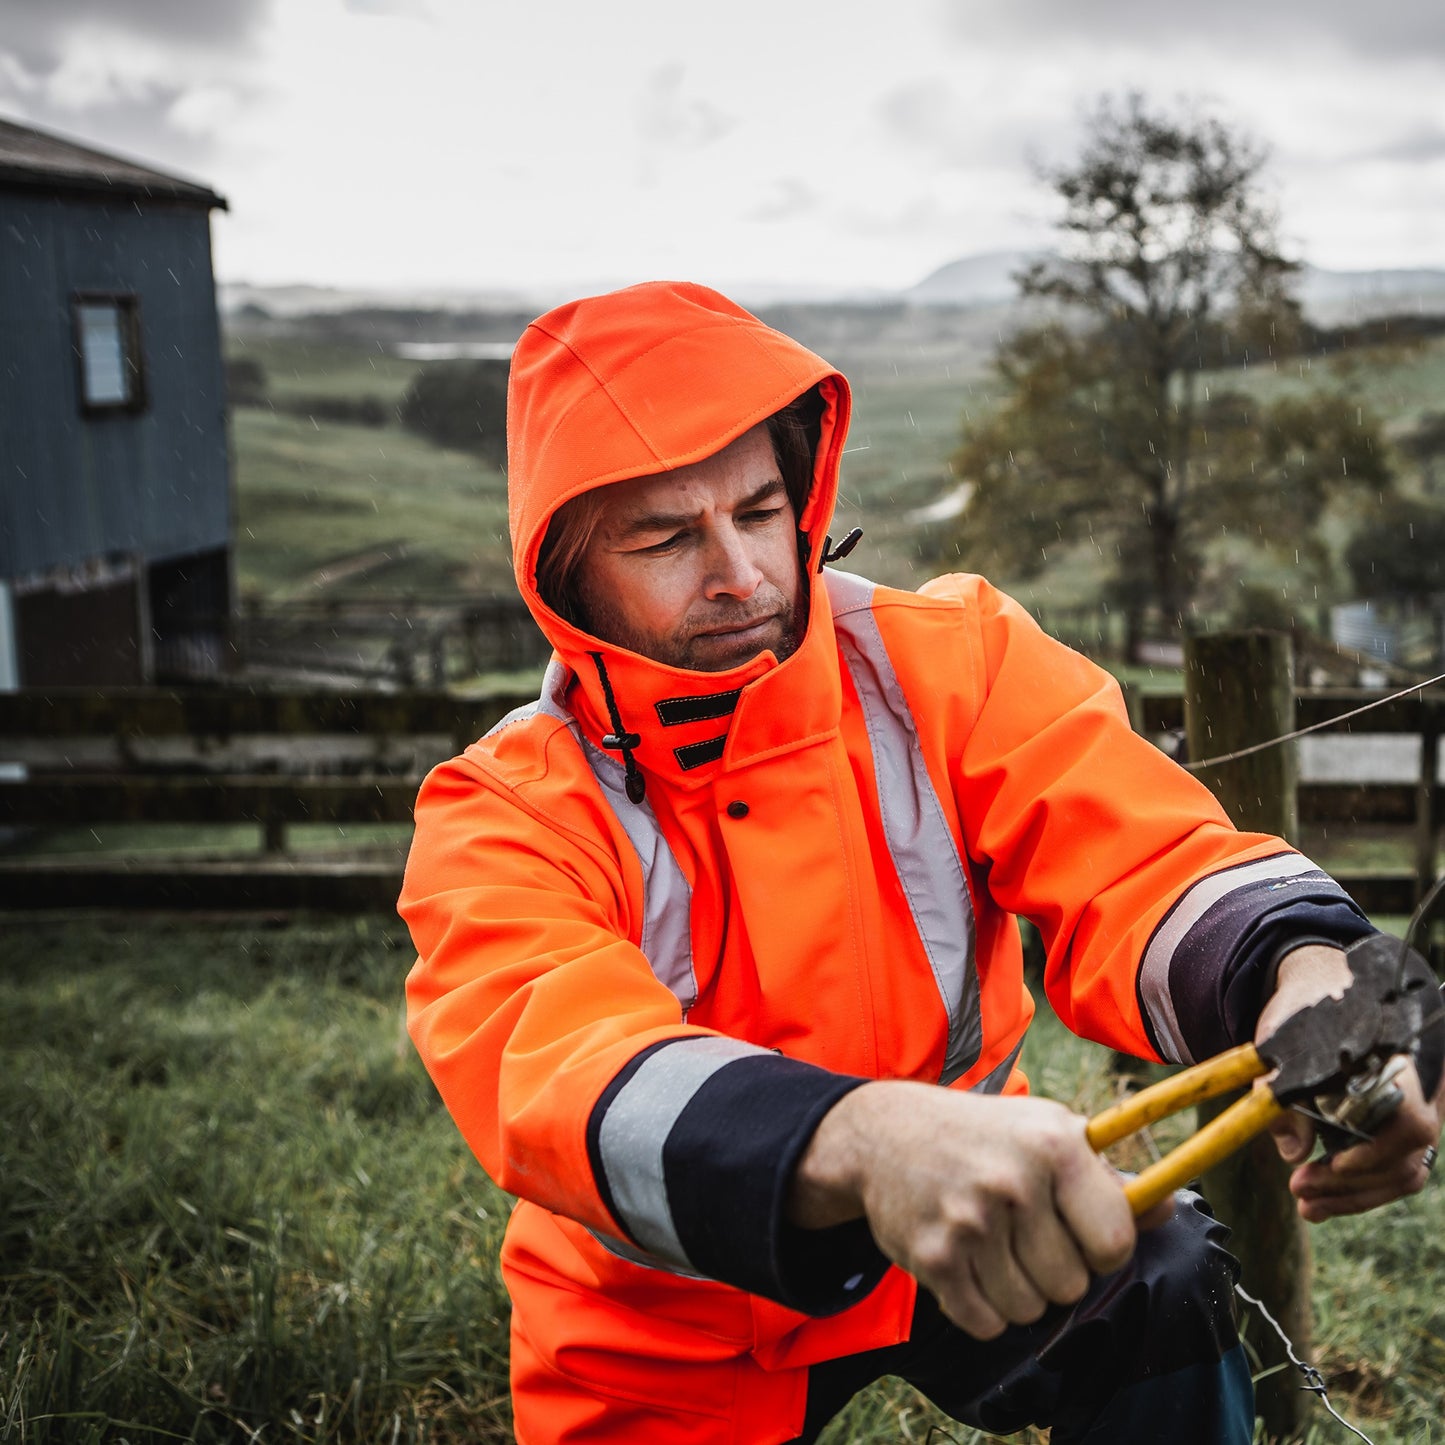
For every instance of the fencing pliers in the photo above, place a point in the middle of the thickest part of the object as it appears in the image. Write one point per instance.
(1337, 1060)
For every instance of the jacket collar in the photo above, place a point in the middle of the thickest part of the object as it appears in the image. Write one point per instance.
(691, 727)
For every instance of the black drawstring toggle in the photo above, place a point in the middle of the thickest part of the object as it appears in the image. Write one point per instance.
(833, 554)
(619, 740)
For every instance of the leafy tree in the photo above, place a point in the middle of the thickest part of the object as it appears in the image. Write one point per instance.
(1400, 552)
(1112, 428)
(461, 404)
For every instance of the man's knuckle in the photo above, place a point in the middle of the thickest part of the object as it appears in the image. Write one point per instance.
(1069, 1284)
(934, 1254)
(969, 1216)
(972, 1316)
(1112, 1247)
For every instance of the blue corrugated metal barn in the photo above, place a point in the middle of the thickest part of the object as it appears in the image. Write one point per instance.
(115, 509)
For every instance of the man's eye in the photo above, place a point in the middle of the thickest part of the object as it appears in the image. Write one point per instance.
(762, 514)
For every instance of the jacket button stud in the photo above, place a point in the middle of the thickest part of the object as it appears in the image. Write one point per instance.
(737, 809)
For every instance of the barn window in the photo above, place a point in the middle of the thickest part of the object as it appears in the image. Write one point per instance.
(107, 345)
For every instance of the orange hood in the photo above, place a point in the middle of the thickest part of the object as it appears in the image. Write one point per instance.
(634, 383)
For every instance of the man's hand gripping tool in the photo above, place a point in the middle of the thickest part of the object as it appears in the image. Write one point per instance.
(1337, 1059)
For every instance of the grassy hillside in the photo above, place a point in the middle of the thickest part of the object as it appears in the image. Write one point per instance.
(296, 365)
(1400, 384)
(377, 510)
(400, 515)
(325, 509)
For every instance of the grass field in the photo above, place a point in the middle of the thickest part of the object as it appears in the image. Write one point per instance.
(234, 1209)
(1400, 384)
(325, 509)
(231, 1200)
(329, 509)
(298, 366)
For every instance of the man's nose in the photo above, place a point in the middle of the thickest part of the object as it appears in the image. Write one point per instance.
(732, 572)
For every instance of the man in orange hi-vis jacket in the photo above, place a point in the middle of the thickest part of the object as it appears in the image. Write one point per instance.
(718, 966)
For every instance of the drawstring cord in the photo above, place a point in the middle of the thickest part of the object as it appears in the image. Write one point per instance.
(618, 741)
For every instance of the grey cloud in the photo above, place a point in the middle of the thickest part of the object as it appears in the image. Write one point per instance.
(940, 119)
(412, 9)
(38, 31)
(1424, 143)
(1401, 28)
(668, 116)
(134, 118)
(785, 200)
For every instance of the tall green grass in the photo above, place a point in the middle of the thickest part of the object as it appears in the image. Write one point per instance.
(233, 1209)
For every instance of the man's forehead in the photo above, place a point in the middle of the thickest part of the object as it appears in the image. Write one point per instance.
(740, 470)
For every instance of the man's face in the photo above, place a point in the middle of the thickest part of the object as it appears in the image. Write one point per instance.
(698, 567)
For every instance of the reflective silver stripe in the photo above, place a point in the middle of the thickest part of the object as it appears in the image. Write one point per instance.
(666, 938)
(666, 898)
(993, 1081)
(1192, 906)
(635, 1129)
(920, 842)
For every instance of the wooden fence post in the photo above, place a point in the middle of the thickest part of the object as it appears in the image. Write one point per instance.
(1239, 690)
(1426, 803)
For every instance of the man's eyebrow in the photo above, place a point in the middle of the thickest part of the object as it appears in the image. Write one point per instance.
(660, 521)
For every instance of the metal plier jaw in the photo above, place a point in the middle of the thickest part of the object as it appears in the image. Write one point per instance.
(1335, 1059)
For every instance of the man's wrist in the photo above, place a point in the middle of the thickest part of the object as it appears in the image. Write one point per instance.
(826, 1188)
(1305, 974)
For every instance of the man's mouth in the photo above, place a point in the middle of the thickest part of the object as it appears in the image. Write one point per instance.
(741, 629)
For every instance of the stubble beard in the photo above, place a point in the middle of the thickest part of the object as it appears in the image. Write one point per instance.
(691, 647)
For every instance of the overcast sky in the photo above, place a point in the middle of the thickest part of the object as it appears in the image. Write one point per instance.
(553, 144)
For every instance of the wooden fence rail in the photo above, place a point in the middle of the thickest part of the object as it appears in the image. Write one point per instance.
(1419, 805)
(271, 760)
(278, 759)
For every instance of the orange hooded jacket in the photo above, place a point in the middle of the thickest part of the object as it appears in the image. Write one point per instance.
(637, 1011)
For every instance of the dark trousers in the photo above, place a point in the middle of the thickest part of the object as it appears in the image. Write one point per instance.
(1150, 1353)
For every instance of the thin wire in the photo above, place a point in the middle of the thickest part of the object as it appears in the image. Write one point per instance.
(1312, 728)
(1416, 919)
(1314, 1381)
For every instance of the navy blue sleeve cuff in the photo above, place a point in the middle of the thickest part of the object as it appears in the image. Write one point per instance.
(1250, 981)
(1210, 964)
(694, 1146)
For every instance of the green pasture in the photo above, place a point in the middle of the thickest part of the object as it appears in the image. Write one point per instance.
(297, 366)
(895, 464)
(325, 509)
(1400, 384)
(330, 509)
(234, 1209)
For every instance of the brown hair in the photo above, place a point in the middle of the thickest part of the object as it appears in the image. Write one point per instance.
(793, 432)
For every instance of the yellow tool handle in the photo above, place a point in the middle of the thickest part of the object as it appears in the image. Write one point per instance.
(1219, 1138)
(1218, 1075)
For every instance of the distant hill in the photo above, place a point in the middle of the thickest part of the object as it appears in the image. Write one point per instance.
(1339, 296)
(982, 280)
(1329, 297)
(986, 279)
